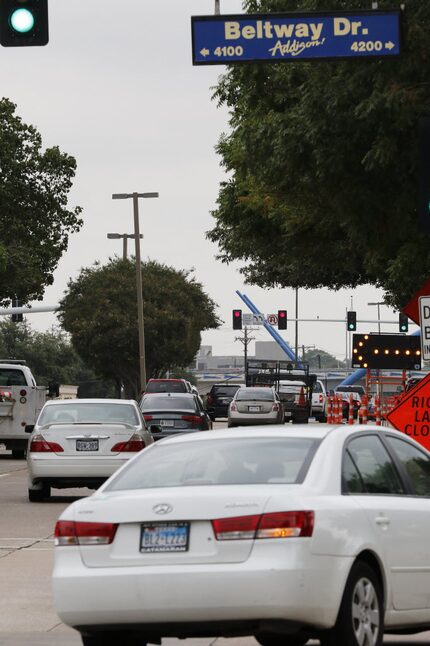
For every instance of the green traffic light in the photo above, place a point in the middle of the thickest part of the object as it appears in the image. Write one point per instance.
(22, 21)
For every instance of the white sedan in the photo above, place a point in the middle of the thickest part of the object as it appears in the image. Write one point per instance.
(81, 442)
(281, 534)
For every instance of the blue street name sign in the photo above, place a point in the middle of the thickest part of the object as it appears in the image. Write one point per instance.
(247, 38)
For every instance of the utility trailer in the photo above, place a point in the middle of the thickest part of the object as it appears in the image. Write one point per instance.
(292, 381)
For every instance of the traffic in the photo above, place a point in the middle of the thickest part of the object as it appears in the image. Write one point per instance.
(314, 517)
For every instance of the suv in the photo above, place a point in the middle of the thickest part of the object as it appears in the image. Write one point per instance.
(218, 399)
(167, 386)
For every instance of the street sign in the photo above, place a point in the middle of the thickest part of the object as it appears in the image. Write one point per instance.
(272, 319)
(412, 415)
(275, 37)
(425, 326)
(253, 319)
(412, 308)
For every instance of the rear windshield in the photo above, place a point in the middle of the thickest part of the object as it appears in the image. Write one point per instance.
(255, 394)
(225, 390)
(219, 462)
(166, 387)
(11, 377)
(94, 413)
(158, 402)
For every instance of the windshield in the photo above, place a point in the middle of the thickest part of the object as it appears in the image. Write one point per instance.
(166, 387)
(93, 413)
(254, 394)
(158, 402)
(219, 462)
(11, 377)
(228, 391)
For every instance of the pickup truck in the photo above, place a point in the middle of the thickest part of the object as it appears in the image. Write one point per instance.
(21, 401)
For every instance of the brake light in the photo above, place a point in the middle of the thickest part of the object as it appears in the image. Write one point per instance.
(69, 532)
(284, 524)
(194, 419)
(133, 445)
(233, 407)
(147, 418)
(321, 399)
(40, 445)
(209, 399)
(22, 393)
(275, 407)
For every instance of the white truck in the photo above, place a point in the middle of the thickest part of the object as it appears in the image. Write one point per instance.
(20, 403)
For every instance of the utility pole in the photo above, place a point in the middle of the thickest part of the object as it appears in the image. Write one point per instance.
(245, 340)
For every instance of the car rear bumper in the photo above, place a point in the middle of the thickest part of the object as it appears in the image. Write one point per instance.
(58, 468)
(268, 590)
(254, 418)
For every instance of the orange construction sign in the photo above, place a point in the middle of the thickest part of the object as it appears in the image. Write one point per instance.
(412, 415)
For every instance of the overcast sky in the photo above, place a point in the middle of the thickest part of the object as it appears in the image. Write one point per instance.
(116, 89)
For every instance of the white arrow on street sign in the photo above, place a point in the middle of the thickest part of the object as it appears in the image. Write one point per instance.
(425, 327)
(252, 319)
(205, 52)
(388, 45)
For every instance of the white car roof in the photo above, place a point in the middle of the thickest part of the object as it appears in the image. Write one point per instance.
(62, 402)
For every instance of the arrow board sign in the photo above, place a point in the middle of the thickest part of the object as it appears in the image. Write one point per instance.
(425, 326)
(248, 38)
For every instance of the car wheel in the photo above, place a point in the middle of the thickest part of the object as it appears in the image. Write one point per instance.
(272, 639)
(19, 454)
(360, 621)
(39, 495)
(106, 638)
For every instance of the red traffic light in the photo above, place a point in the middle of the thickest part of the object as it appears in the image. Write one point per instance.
(282, 319)
(237, 319)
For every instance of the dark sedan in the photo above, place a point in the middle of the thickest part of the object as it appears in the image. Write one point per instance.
(171, 413)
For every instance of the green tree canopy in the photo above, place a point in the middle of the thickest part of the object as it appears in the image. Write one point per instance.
(322, 163)
(35, 222)
(49, 355)
(100, 313)
(318, 358)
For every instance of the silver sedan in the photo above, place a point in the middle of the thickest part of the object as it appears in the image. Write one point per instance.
(255, 405)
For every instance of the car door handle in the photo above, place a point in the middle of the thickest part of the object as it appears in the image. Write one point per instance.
(382, 520)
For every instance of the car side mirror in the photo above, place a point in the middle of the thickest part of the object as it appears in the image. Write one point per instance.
(29, 428)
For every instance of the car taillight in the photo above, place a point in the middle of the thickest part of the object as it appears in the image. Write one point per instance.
(69, 532)
(147, 418)
(321, 399)
(22, 393)
(133, 445)
(39, 445)
(209, 399)
(275, 407)
(284, 524)
(233, 407)
(194, 419)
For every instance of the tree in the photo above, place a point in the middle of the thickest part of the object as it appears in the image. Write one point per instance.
(49, 355)
(100, 313)
(322, 162)
(35, 222)
(322, 360)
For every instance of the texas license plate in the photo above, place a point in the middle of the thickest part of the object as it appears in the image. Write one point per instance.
(164, 537)
(167, 422)
(254, 409)
(87, 445)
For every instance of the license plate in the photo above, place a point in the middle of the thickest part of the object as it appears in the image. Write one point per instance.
(164, 537)
(287, 413)
(254, 409)
(87, 445)
(167, 422)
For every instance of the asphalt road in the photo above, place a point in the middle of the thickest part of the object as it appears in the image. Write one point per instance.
(27, 615)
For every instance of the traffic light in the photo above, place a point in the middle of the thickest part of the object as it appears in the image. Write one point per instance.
(282, 319)
(403, 322)
(237, 319)
(16, 318)
(23, 23)
(351, 323)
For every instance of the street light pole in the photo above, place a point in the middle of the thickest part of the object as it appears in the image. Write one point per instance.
(124, 237)
(139, 286)
(378, 304)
